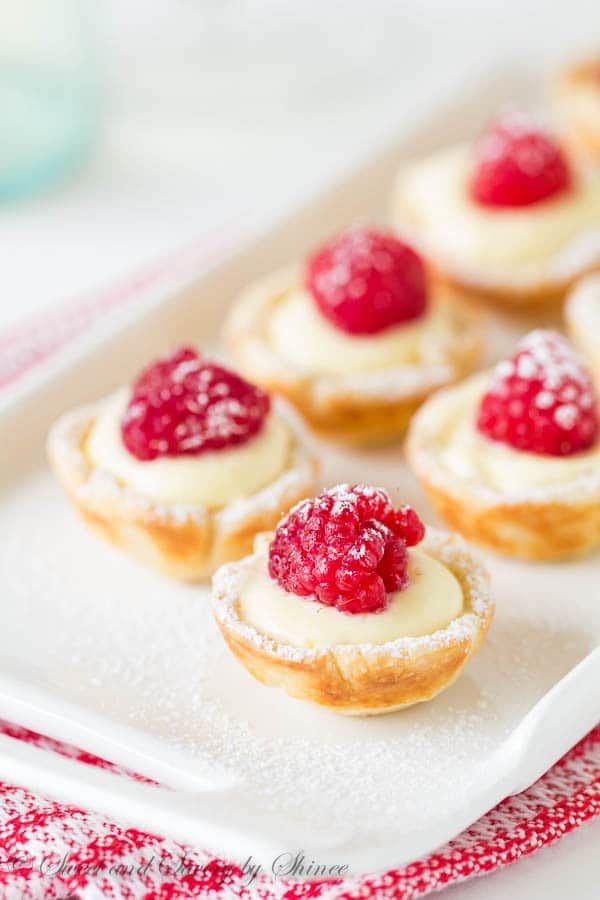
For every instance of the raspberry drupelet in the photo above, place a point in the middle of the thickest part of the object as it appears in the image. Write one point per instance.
(542, 400)
(517, 164)
(364, 281)
(183, 405)
(346, 548)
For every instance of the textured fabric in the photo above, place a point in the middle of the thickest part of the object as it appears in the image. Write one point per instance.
(55, 850)
(50, 849)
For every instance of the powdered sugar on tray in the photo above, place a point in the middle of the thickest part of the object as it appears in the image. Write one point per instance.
(139, 650)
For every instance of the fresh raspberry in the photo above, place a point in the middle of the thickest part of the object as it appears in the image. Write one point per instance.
(346, 548)
(517, 164)
(182, 405)
(542, 400)
(365, 281)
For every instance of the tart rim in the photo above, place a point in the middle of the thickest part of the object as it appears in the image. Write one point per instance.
(446, 548)
(335, 403)
(583, 132)
(521, 284)
(542, 525)
(421, 447)
(210, 535)
(580, 324)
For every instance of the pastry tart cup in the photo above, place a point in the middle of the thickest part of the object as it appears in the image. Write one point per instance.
(361, 679)
(548, 522)
(364, 407)
(577, 98)
(582, 313)
(187, 542)
(520, 286)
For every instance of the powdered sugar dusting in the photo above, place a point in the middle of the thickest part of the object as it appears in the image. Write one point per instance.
(542, 400)
(229, 580)
(138, 650)
(365, 281)
(183, 404)
(548, 357)
(394, 383)
(448, 346)
(516, 164)
(97, 486)
(578, 254)
(101, 486)
(346, 548)
(434, 431)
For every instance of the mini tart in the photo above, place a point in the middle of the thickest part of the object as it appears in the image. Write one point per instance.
(184, 541)
(361, 679)
(582, 312)
(515, 257)
(577, 97)
(517, 503)
(368, 404)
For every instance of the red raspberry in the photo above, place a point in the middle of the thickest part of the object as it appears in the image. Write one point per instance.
(542, 400)
(346, 548)
(181, 405)
(364, 281)
(517, 164)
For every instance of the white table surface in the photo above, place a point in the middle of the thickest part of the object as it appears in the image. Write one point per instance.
(224, 110)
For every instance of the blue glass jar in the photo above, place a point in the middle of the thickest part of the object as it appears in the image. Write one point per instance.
(49, 91)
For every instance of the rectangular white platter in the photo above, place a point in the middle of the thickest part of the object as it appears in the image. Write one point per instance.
(99, 652)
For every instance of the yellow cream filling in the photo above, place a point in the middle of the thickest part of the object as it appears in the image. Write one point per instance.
(584, 101)
(466, 233)
(300, 333)
(468, 454)
(211, 479)
(432, 600)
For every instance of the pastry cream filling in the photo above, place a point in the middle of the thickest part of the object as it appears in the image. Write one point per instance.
(584, 100)
(210, 479)
(301, 334)
(431, 601)
(455, 227)
(474, 458)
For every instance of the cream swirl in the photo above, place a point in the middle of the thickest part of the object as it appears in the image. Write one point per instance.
(431, 601)
(455, 228)
(471, 456)
(210, 479)
(297, 331)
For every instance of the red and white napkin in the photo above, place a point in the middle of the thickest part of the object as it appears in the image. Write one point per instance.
(50, 849)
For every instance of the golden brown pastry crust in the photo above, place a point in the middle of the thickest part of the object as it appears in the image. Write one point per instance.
(364, 408)
(554, 525)
(530, 530)
(582, 314)
(516, 289)
(184, 542)
(368, 679)
(581, 128)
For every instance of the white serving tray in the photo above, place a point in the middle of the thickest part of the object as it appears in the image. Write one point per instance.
(98, 652)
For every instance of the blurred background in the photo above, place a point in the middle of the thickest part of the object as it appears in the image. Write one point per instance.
(131, 127)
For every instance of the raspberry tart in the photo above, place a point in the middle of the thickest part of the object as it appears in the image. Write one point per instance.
(352, 605)
(513, 217)
(582, 313)
(357, 338)
(577, 96)
(511, 459)
(184, 467)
